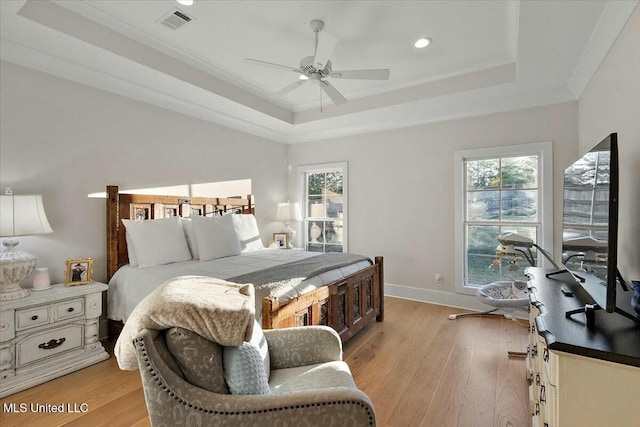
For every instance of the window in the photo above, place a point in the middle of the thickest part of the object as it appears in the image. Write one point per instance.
(325, 207)
(500, 190)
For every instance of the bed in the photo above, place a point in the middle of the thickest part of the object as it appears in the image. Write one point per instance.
(293, 287)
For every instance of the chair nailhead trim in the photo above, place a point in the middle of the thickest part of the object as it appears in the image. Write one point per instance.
(166, 388)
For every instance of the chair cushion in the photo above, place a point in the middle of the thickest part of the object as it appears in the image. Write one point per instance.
(247, 367)
(322, 375)
(199, 359)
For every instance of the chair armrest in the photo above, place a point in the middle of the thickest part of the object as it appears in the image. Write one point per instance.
(303, 345)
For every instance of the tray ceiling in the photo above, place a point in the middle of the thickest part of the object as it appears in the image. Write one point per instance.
(486, 57)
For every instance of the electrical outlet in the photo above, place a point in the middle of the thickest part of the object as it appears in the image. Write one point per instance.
(438, 279)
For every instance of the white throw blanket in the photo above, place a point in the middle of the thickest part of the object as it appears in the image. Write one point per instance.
(215, 309)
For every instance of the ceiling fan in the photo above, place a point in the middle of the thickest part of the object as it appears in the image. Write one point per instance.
(317, 68)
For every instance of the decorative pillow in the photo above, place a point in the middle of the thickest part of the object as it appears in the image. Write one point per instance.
(216, 237)
(190, 234)
(247, 230)
(164, 353)
(247, 367)
(158, 241)
(200, 360)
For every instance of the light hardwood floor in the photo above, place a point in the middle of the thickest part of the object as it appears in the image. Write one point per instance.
(422, 369)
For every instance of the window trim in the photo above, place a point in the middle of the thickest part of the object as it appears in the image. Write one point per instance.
(327, 167)
(545, 152)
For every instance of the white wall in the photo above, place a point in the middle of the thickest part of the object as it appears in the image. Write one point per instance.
(401, 198)
(611, 103)
(65, 140)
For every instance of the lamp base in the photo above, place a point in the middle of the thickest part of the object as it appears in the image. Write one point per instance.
(15, 266)
(8, 295)
(292, 235)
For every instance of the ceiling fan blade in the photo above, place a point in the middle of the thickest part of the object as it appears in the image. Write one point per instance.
(325, 43)
(287, 89)
(381, 74)
(333, 93)
(272, 65)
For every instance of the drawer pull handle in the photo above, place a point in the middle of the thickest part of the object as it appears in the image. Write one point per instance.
(34, 317)
(70, 309)
(52, 344)
(545, 355)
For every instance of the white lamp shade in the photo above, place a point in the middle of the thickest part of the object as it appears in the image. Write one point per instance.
(22, 216)
(288, 212)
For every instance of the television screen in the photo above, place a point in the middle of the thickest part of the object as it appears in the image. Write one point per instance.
(585, 215)
(590, 223)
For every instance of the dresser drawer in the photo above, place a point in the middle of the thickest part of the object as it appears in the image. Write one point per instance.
(48, 343)
(31, 317)
(66, 309)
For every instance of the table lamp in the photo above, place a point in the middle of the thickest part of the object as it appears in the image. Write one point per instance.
(286, 213)
(19, 216)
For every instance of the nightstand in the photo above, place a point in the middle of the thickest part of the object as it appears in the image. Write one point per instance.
(48, 334)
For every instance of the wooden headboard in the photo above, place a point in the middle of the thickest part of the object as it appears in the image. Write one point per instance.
(143, 207)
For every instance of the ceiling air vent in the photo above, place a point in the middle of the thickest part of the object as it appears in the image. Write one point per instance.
(175, 19)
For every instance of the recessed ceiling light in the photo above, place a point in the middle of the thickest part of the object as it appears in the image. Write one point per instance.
(423, 42)
(185, 2)
(303, 77)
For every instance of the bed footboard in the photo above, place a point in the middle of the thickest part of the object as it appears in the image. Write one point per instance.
(347, 305)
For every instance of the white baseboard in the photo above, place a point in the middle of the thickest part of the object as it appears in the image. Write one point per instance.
(467, 302)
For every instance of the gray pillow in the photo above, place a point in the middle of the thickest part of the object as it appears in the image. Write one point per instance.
(200, 360)
(247, 367)
(161, 348)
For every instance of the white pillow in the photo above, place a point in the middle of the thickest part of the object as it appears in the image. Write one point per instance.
(158, 241)
(190, 234)
(131, 252)
(216, 237)
(247, 230)
(247, 368)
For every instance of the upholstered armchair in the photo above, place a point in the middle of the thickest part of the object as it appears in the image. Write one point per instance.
(186, 383)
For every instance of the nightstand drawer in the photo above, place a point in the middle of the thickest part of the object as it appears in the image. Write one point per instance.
(31, 317)
(49, 343)
(67, 309)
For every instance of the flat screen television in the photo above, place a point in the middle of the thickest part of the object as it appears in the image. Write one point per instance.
(590, 225)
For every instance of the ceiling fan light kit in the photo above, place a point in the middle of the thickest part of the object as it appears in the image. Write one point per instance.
(423, 42)
(316, 68)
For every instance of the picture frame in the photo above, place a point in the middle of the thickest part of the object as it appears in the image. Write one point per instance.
(281, 240)
(78, 271)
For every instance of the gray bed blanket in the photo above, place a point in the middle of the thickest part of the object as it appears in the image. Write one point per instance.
(281, 278)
